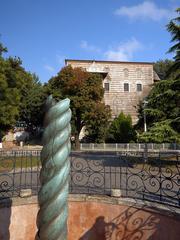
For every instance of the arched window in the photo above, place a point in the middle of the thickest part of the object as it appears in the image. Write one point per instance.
(106, 87)
(139, 87)
(126, 87)
(126, 73)
(139, 73)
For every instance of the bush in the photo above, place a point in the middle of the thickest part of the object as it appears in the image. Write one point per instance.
(121, 130)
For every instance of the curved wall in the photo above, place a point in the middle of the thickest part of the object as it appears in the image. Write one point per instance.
(94, 218)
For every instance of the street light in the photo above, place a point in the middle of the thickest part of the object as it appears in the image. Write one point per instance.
(144, 105)
(145, 102)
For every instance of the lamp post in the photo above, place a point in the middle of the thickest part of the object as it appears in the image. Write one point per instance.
(145, 124)
(145, 130)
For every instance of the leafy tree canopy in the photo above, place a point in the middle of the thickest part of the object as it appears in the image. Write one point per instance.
(161, 67)
(163, 102)
(20, 93)
(160, 132)
(2, 49)
(10, 91)
(32, 102)
(121, 130)
(97, 122)
(162, 111)
(174, 28)
(85, 91)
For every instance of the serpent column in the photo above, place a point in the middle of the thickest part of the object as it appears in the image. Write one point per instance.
(54, 175)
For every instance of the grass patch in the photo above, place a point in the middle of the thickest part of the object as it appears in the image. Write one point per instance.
(10, 163)
(164, 162)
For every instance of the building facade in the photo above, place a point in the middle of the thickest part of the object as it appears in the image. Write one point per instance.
(125, 83)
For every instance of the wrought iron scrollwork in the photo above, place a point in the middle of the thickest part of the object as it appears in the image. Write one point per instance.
(18, 170)
(87, 174)
(158, 179)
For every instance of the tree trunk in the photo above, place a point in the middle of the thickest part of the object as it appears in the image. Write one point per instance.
(77, 143)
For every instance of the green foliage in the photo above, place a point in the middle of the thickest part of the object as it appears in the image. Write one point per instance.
(10, 85)
(162, 112)
(121, 130)
(163, 107)
(32, 102)
(85, 92)
(97, 122)
(164, 100)
(161, 67)
(174, 28)
(2, 49)
(160, 132)
(21, 95)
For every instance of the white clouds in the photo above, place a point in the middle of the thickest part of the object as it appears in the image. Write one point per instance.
(49, 68)
(90, 48)
(144, 10)
(125, 51)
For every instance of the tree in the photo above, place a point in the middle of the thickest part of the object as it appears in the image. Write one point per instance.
(162, 112)
(21, 95)
(97, 122)
(174, 28)
(163, 107)
(160, 132)
(121, 130)
(32, 102)
(10, 85)
(85, 92)
(161, 67)
(2, 49)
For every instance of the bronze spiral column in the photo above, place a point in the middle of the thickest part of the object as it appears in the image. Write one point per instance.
(54, 175)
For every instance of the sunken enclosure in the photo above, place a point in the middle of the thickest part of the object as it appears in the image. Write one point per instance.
(113, 194)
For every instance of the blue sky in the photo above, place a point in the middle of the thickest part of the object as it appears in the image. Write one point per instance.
(45, 32)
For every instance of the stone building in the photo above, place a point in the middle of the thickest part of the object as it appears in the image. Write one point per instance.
(125, 83)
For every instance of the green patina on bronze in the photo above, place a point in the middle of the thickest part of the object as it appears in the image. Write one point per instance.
(52, 216)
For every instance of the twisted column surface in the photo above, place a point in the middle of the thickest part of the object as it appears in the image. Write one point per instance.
(52, 216)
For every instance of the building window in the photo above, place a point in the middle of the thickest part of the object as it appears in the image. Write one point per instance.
(139, 73)
(139, 87)
(126, 87)
(106, 87)
(126, 73)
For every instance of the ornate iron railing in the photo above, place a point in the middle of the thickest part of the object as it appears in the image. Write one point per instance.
(148, 176)
(19, 170)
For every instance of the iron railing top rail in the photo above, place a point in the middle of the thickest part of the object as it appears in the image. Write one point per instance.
(129, 146)
(173, 146)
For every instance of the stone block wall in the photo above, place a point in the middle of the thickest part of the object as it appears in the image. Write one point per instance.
(115, 74)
